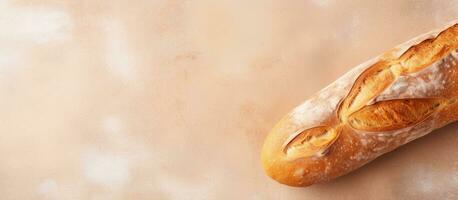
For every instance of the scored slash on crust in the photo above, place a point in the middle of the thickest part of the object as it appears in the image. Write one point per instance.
(312, 142)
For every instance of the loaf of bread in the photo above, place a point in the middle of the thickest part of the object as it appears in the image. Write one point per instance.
(378, 106)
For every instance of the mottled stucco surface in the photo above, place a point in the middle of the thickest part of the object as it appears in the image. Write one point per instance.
(171, 99)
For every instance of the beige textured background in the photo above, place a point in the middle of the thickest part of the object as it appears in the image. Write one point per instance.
(171, 99)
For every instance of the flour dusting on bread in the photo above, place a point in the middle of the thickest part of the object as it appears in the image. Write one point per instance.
(428, 82)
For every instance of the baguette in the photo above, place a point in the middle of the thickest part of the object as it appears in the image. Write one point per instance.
(378, 106)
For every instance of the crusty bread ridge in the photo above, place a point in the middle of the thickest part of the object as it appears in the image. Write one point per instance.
(376, 107)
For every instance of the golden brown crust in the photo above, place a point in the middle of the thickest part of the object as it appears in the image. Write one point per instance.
(370, 83)
(393, 114)
(382, 104)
